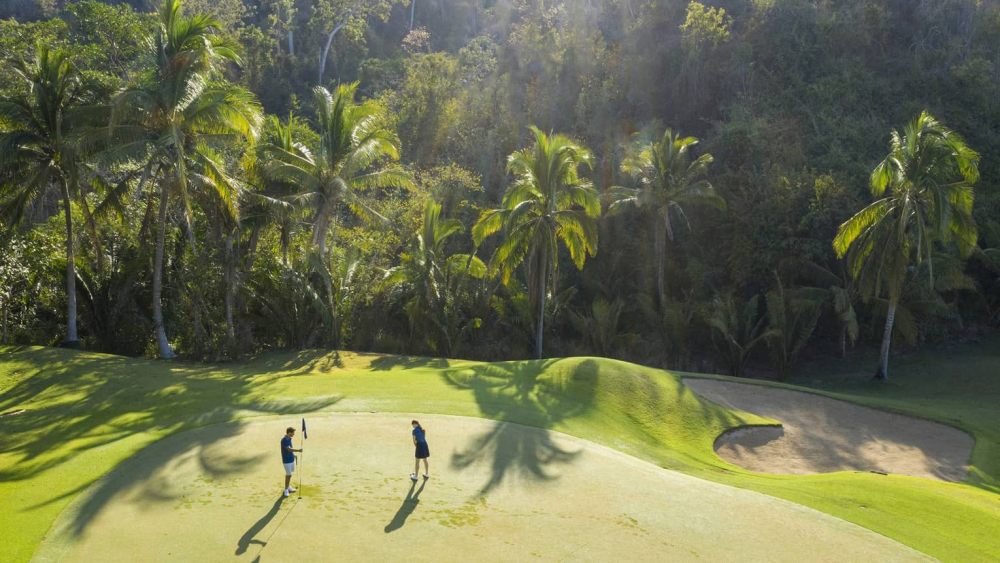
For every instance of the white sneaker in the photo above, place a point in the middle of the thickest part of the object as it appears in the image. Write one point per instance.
(292, 489)
(286, 493)
(413, 476)
(426, 476)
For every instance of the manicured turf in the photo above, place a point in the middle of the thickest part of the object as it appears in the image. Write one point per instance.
(498, 492)
(86, 412)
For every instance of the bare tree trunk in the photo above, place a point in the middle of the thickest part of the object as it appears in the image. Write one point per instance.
(291, 41)
(326, 51)
(71, 336)
(883, 369)
(413, 8)
(161, 335)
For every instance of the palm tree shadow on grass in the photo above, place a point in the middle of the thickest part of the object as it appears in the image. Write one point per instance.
(538, 393)
(406, 509)
(77, 402)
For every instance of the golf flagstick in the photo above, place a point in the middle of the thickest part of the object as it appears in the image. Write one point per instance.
(303, 452)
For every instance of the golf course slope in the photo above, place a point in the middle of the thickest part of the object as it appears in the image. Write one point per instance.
(822, 435)
(498, 491)
(92, 445)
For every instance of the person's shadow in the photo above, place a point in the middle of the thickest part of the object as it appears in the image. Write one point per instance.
(249, 535)
(407, 508)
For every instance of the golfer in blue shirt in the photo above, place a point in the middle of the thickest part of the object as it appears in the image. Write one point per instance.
(288, 459)
(420, 441)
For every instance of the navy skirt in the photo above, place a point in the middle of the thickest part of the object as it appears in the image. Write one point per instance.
(422, 451)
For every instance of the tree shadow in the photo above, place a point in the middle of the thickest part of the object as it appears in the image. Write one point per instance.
(300, 362)
(249, 536)
(539, 393)
(406, 509)
(76, 402)
(387, 363)
(508, 447)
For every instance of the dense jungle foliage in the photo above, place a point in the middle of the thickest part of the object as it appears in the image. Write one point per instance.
(656, 180)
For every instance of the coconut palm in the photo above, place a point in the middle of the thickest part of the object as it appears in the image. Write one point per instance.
(737, 328)
(668, 179)
(548, 202)
(434, 278)
(842, 294)
(355, 142)
(38, 154)
(792, 315)
(174, 116)
(925, 191)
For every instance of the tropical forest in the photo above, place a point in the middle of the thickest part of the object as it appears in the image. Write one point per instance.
(734, 186)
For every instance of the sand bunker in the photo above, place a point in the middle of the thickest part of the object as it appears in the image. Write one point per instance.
(821, 435)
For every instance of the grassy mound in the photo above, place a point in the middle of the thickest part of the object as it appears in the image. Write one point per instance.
(84, 413)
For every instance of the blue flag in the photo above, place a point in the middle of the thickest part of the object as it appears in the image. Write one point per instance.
(304, 435)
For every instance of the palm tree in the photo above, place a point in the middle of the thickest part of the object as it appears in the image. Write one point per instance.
(355, 139)
(842, 294)
(792, 315)
(173, 117)
(668, 180)
(38, 154)
(737, 328)
(434, 278)
(925, 191)
(547, 203)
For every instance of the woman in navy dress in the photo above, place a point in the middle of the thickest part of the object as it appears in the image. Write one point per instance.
(420, 442)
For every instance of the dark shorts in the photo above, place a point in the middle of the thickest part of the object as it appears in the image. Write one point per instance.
(422, 451)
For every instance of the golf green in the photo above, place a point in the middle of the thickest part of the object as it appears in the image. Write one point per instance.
(497, 491)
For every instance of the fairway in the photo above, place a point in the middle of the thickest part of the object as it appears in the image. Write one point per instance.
(498, 491)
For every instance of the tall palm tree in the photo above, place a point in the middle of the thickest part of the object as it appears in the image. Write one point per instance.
(174, 116)
(668, 180)
(925, 191)
(548, 202)
(355, 142)
(434, 278)
(38, 153)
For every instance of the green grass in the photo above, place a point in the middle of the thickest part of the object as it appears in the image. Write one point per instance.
(87, 412)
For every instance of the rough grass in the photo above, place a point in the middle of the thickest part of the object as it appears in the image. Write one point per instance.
(87, 412)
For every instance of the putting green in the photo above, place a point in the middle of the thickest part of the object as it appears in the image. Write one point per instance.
(497, 491)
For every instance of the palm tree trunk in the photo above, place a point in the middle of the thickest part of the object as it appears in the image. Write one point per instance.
(543, 266)
(883, 369)
(230, 289)
(161, 231)
(658, 251)
(72, 341)
(843, 342)
(321, 225)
